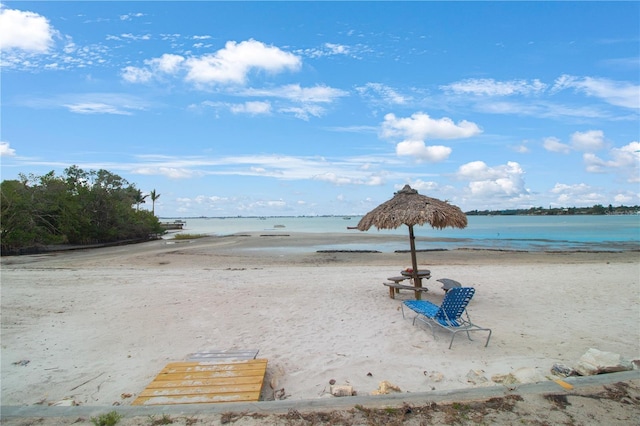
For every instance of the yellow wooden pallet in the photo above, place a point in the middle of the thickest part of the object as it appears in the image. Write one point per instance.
(205, 382)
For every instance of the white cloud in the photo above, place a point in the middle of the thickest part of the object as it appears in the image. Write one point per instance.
(95, 103)
(493, 182)
(6, 150)
(348, 179)
(294, 92)
(560, 188)
(301, 105)
(170, 172)
(591, 140)
(303, 112)
(490, 87)
(156, 67)
(336, 179)
(554, 145)
(575, 195)
(385, 93)
(136, 75)
(337, 49)
(415, 129)
(420, 126)
(540, 109)
(521, 148)
(135, 37)
(419, 151)
(423, 187)
(96, 108)
(328, 49)
(625, 198)
(627, 155)
(253, 108)
(230, 65)
(617, 93)
(130, 16)
(26, 31)
(233, 63)
(167, 63)
(349, 171)
(624, 161)
(312, 94)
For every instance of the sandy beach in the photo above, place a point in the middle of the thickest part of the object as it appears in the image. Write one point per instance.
(96, 326)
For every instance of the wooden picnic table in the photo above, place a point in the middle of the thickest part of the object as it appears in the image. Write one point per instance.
(395, 286)
(421, 274)
(418, 281)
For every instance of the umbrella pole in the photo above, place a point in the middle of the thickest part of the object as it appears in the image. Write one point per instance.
(417, 282)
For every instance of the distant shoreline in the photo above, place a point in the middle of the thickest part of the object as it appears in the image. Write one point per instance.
(632, 212)
(337, 242)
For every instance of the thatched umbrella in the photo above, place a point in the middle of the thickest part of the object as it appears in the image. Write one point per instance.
(410, 208)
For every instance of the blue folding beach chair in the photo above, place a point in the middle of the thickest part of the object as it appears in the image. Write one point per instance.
(451, 314)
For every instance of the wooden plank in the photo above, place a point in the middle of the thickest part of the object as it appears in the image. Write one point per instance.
(215, 366)
(159, 384)
(166, 375)
(205, 382)
(406, 287)
(206, 375)
(395, 287)
(202, 390)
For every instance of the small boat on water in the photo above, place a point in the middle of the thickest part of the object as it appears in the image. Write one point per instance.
(278, 226)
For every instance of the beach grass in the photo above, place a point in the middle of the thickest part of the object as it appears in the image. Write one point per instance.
(189, 236)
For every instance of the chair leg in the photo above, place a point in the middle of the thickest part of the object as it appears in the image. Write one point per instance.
(488, 337)
(469, 336)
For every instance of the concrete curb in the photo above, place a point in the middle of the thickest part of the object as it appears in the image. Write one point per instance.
(320, 404)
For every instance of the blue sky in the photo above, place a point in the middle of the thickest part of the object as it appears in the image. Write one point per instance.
(305, 108)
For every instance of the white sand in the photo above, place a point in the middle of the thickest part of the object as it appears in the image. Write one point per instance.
(97, 324)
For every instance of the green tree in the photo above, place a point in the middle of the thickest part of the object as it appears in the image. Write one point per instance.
(17, 225)
(154, 196)
(79, 207)
(139, 199)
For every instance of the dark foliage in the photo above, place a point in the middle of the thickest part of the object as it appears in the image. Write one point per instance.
(597, 209)
(78, 208)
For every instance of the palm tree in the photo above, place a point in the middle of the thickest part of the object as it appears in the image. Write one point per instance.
(154, 197)
(139, 199)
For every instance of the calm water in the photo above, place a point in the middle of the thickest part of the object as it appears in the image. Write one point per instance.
(531, 233)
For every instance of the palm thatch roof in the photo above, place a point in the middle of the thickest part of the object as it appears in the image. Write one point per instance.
(407, 207)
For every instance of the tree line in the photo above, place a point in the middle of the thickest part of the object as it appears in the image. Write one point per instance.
(597, 209)
(76, 208)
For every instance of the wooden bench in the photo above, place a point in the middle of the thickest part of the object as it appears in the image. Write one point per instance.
(396, 287)
(448, 284)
